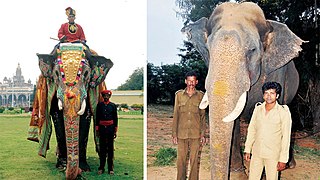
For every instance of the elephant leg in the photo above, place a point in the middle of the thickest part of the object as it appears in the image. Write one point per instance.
(85, 120)
(292, 162)
(58, 122)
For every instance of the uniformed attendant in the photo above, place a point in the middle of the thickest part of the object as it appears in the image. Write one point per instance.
(70, 31)
(106, 126)
(188, 127)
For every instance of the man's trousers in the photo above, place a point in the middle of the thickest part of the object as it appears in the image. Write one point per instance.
(191, 146)
(106, 147)
(256, 168)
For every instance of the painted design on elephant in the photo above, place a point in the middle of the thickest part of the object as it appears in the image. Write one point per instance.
(96, 74)
(220, 88)
(217, 147)
(72, 138)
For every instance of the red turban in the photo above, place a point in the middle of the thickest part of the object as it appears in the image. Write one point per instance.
(106, 92)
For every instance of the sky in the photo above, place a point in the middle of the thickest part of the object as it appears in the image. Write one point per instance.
(115, 29)
(164, 35)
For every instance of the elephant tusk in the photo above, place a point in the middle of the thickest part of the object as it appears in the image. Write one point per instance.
(60, 104)
(83, 108)
(204, 102)
(237, 110)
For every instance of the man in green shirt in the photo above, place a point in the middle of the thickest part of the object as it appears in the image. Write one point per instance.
(268, 137)
(188, 127)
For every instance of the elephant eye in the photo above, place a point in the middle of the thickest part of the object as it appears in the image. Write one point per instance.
(252, 49)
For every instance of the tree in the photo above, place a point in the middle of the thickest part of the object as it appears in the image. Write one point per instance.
(153, 83)
(301, 18)
(192, 60)
(164, 81)
(134, 82)
(192, 10)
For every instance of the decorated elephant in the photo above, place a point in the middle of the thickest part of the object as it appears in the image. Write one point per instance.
(242, 51)
(68, 91)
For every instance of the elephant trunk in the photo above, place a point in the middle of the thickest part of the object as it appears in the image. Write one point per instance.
(227, 84)
(71, 111)
(221, 135)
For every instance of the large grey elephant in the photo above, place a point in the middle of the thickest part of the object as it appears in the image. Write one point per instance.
(71, 92)
(242, 51)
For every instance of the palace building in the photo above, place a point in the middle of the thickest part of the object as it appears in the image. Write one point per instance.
(15, 92)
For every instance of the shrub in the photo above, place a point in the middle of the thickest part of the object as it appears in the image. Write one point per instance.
(2, 109)
(11, 110)
(136, 106)
(124, 106)
(165, 156)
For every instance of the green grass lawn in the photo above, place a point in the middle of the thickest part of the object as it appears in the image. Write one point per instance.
(19, 158)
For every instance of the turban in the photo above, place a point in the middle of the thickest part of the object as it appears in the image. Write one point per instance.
(106, 92)
(70, 11)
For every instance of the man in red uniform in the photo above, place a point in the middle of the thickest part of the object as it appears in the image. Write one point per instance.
(70, 31)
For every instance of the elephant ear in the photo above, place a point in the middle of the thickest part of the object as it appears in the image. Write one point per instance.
(100, 67)
(281, 44)
(197, 33)
(46, 63)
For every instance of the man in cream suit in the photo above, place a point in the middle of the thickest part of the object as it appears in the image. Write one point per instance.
(268, 137)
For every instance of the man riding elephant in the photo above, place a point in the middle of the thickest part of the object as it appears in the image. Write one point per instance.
(70, 31)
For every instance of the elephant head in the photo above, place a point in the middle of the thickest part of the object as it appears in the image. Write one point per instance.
(241, 48)
(73, 75)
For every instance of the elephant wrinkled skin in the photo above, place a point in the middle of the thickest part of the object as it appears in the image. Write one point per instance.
(242, 51)
(72, 83)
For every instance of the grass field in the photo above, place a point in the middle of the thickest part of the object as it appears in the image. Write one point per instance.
(19, 158)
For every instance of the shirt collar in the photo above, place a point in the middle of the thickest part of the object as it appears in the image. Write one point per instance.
(276, 106)
(185, 92)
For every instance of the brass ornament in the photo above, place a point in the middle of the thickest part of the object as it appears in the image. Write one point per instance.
(70, 60)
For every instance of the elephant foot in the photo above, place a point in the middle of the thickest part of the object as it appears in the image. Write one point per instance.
(291, 164)
(239, 173)
(84, 166)
(61, 163)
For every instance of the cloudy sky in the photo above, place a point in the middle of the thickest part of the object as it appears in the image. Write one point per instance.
(164, 36)
(115, 29)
